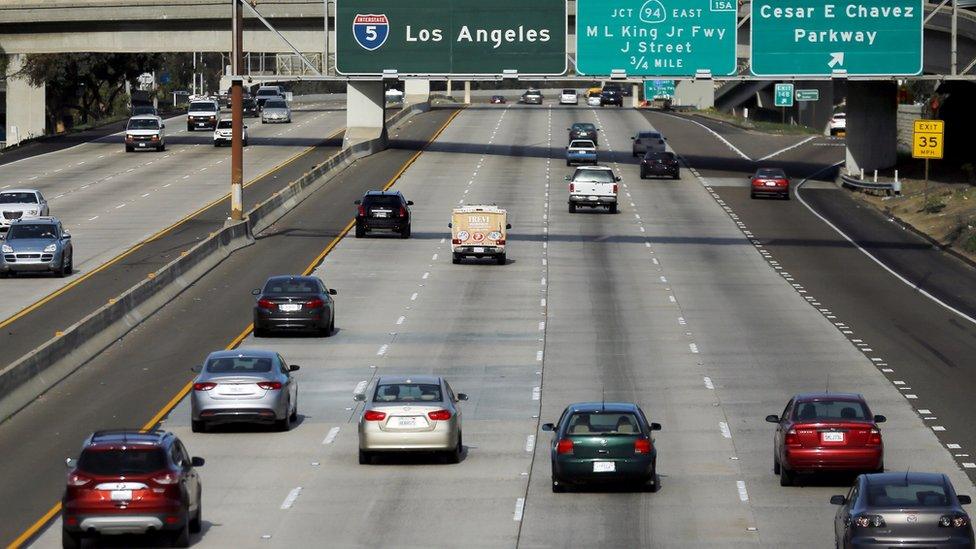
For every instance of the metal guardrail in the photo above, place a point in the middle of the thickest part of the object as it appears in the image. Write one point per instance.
(889, 187)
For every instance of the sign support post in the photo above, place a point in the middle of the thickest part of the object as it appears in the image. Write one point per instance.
(237, 114)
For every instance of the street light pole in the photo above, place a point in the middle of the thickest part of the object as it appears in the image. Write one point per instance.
(237, 113)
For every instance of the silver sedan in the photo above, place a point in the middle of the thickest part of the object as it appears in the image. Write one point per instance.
(276, 110)
(409, 414)
(244, 386)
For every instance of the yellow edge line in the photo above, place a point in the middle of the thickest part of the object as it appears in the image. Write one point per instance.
(168, 407)
(37, 304)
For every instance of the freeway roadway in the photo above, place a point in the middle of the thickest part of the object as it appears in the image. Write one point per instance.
(667, 303)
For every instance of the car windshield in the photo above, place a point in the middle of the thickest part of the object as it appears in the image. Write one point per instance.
(771, 172)
(225, 124)
(899, 493)
(579, 144)
(203, 106)
(659, 156)
(381, 201)
(32, 230)
(593, 176)
(291, 286)
(407, 392)
(143, 124)
(267, 91)
(829, 410)
(275, 105)
(131, 461)
(239, 365)
(603, 423)
(18, 198)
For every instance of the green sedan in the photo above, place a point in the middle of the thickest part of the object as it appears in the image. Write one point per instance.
(603, 442)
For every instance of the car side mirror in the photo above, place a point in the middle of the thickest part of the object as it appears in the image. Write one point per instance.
(65, 236)
(655, 426)
(294, 368)
(772, 418)
(162, 126)
(462, 396)
(632, 138)
(197, 461)
(357, 202)
(964, 499)
(567, 178)
(198, 368)
(71, 462)
(616, 178)
(664, 138)
(359, 397)
(548, 427)
(333, 291)
(256, 291)
(880, 419)
(838, 500)
(508, 225)
(409, 202)
(449, 225)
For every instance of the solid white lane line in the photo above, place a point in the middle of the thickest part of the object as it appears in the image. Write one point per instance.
(292, 496)
(791, 147)
(331, 436)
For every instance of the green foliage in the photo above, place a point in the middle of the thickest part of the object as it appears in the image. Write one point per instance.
(933, 204)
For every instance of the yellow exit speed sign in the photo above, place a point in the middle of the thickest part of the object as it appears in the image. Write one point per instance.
(927, 140)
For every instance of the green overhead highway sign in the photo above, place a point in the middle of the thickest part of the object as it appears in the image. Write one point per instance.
(826, 37)
(808, 95)
(783, 95)
(656, 89)
(450, 37)
(655, 37)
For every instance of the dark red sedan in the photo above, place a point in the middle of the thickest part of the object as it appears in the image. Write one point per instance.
(498, 99)
(820, 432)
(769, 182)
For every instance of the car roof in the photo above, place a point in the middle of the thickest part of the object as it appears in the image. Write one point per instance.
(806, 397)
(409, 379)
(584, 124)
(382, 193)
(144, 117)
(771, 170)
(41, 219)
(602, 168)
(5, 191)
(910, 476)
(255, 353)
(291, 277)
(603, 407)
(127, 437)
(584, 141)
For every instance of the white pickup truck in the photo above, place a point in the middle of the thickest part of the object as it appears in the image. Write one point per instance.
(593, 187)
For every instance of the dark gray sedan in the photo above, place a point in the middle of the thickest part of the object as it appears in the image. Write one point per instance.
(906, 509)
(294, 303)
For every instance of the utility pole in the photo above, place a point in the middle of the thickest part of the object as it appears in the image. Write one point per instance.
(237, 113)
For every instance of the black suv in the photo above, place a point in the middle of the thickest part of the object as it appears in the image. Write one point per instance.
(249, 106)
(583, 130)
(611, 95)
(660, 164)
(383, 210)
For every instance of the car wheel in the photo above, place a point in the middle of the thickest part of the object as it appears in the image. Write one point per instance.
(676, 175)
(613, 208)
(365, 458)
(260, 332)
(752, 195)
(65, 269)
(557, 487)
(161, 148)
(327, 331)
(70, 540)
(643, 175)
(454, 456)
(786, 477)
(294, 413)
(284, 424)
(501, 259)
(196, 523)
(567, 163)
(652, 484)
(181, 538)
(360, 231)
(405, 233)
(245, 143)
(572, 208)
(216, 144)
(786, 196)
(776, 468)
(198, 426)
(456, 259)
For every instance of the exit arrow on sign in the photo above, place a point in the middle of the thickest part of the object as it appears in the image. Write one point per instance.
(836, 58)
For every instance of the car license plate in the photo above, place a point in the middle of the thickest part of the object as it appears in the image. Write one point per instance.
(379, 214)
(408, 422)
(770, 183)
(479, 250)
(121, 495)
(142, 144)
(604, 466)
(290, 307)
(593, 199)
(832, 437)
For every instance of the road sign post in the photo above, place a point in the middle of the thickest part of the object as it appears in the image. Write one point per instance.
(655, 37)
(450, 37)
(928, 142)
(852, 37)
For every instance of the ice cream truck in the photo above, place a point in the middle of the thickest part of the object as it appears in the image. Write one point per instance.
(479, 231)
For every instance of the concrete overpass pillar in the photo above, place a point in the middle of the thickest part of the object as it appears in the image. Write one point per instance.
(416, 92)
(365, 112)
(695, 93)
(635, 95)
(872, 125)
(25, 105)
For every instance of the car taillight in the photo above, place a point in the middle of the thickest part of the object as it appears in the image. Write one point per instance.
(204, 386)
(373, 415)
(564, 446)
(362, 210)
(455, 241)
(315, 303)
(403, 212)
(642, 446)
(869, 521)
(874, 437)
(166, 479)
(266, 304)
(954, 521)
(500, 242)
(572, 187)
(439, 415)
(781, 182)
(77, 479)
(614, 188)
(270, 385)
(791, 438)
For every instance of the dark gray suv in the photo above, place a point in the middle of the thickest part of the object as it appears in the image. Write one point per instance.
(38, 244)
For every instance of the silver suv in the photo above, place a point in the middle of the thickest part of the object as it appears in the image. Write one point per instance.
(38, 244)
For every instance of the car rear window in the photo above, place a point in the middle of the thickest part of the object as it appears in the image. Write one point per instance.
(569, 92)
(267, 91)
(648, 135)
(831, 410)
(277, 104)
(659, 156)
(131, 461)
(584, 127)
(143, 124)
(18, 198)
(203, 106)
(32, 230)
(291, 286)
(381, 201)
(578, 143)
(603, 423)
(239, 365)
(408, 392)
(593, 176)
(907, 494)
(770, 172)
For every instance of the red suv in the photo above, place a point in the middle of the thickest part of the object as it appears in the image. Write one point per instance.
(826, 432)
(132, 482)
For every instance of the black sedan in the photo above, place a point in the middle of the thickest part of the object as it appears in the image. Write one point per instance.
(659, 164)
(584, 130)
(294, 303)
